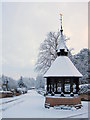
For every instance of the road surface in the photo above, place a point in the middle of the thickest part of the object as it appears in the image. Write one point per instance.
(31, 105)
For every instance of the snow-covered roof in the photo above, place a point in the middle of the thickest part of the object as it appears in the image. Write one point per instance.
(62, 44)
(62, 67)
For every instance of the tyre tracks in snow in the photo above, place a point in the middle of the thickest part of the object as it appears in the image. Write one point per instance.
(10, 103)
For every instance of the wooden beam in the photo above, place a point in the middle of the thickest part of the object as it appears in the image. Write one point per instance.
(62, 86)
(53, 87)
(56, 87)
(71, 86)
(50, 88)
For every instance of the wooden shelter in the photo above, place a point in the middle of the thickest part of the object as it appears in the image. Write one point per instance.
(62, 71)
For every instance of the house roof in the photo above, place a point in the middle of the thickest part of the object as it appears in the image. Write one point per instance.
(62, 67)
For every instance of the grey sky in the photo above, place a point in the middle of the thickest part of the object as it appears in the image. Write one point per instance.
(26, 24)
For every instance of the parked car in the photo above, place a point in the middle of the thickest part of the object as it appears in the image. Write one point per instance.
(22, 90)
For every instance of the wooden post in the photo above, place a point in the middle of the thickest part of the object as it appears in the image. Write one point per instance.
(53, 87)
(71, 86)
(47, 85)
(56, 87)
(50, 88)
(62, 86)
(7, 85)
(77, 86)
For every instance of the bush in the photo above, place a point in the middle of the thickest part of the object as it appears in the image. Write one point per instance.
(84, 89)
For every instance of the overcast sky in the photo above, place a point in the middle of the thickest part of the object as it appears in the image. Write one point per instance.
(25, 26)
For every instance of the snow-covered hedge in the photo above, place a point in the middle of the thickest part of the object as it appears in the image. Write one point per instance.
(84, 89)
(5, 92)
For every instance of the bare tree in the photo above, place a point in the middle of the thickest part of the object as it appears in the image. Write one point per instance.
(47, 52)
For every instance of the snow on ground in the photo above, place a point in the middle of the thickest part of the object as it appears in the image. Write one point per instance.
(31, 105)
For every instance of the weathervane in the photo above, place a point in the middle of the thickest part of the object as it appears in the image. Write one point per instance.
(61, 23)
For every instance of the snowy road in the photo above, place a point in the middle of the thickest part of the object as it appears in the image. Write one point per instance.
(31, 105)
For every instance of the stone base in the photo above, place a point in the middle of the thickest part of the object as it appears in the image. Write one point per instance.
(55, 101)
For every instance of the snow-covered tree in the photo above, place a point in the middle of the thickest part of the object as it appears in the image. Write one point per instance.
(80, 60)
(0, 83)
(88, 67)
(40, 82)
(14, 84)
(8, 82)
(21, 83)
(27, 82)
(47, 52)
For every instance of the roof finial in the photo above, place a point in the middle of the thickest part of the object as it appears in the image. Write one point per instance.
(61, 23)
